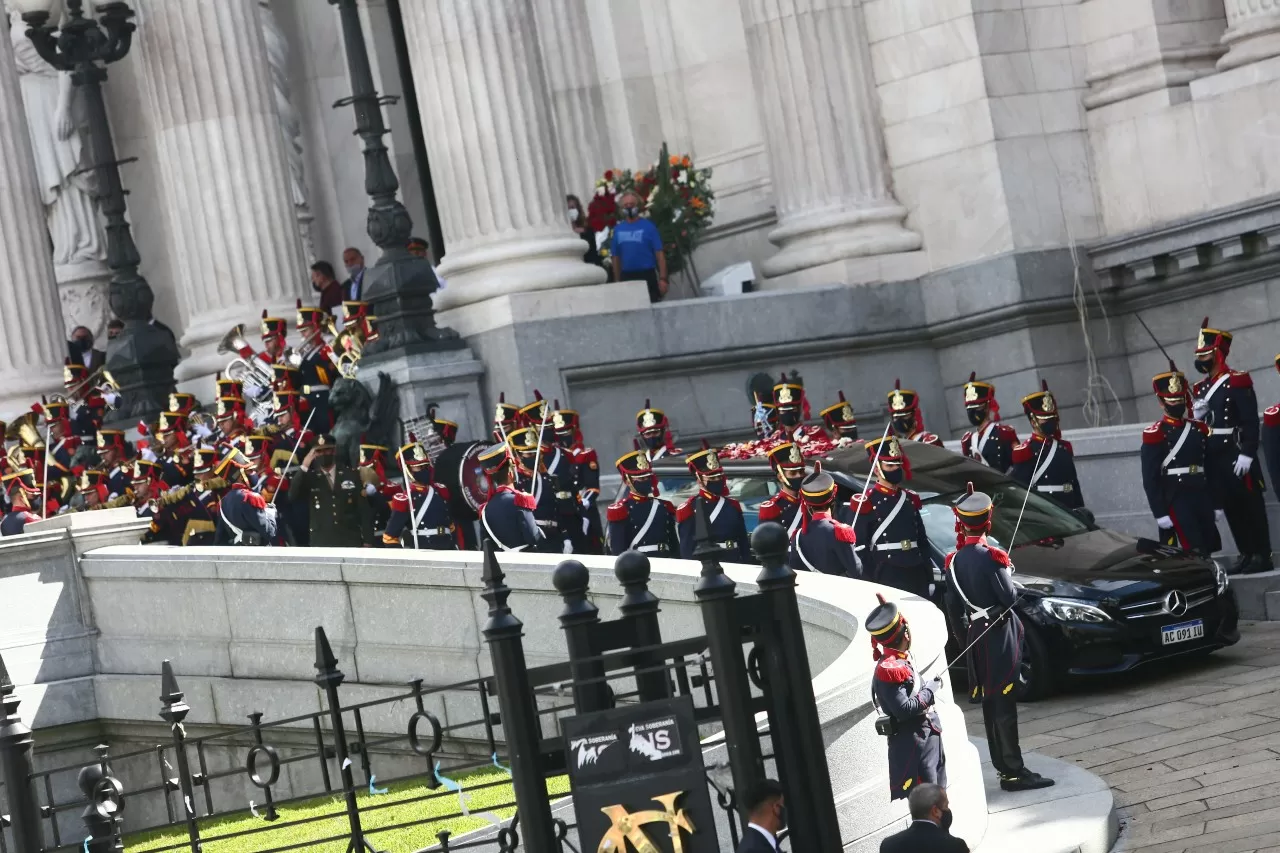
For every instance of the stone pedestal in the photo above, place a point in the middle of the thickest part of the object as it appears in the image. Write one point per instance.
(483, 95)
(227, 185)
(82, 290)
(451, 380)
(1253, 32)
(32, 345)
(817, 97)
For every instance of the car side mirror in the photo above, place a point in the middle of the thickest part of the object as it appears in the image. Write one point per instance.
(1084, 514)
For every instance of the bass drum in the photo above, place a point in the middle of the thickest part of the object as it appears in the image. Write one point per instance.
(458, 469)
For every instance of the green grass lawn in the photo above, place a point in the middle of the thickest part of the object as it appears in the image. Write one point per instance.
(424, 815)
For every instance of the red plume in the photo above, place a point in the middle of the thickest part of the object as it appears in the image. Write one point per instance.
(635, 443)
(412, 437)
(1204, 324)
(142, 428)
(299, 302)
(817, 467)
(842, 399)
(555, 404)
(897, 384)
(37, 408)
(1044, 385)
(1173, 368)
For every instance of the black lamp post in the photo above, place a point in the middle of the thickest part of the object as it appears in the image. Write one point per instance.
(142, 357)
(399, 285)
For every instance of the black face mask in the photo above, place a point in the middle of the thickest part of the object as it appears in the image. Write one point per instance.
(565, 440)
(904, 425)
(1204, 365)
(1048, 426)
(423, 476)
(849, 431)
(1175, 410)
(643, 488)
(793, 483)
(789, 417)
(715, 486)
(976, 415)
(653, 442)
(946, 821)
(894, 475)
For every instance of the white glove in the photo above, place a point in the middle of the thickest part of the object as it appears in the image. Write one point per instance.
(586, 525)
(202, 431)
(112, 398)
(1219, 515)
(568, 547)
(1199, 408)
(270, 511)
(1164, 522)
(371, 490)
(1243, 463)
(253, 389)
(149, 455)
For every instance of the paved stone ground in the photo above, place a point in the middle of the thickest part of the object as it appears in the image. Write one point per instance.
(1191, 750)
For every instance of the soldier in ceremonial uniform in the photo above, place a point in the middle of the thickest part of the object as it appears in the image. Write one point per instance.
(290, 448)
(92, 490)
(114, 453)
(1226, 402)
(244, 517)
(1271, 437)
(506, 518)
(725, 525)
(446, 429)
(318, 370)
(990, 441)
(784, 507)
(175, 451)
(981, 577)
(904, 414)
(655, 434)
(23, 493)
(585, 467)
(555, 507)
(793, 408)
(274, 332)
(338, 513)
(1044, 462)
(839, 420)
(913, 728)
(379, 489)
(506, 419)
(62, 443)
(423, 510)
(823, 544)
(1175, 475)
(146, 482)
(892, 541)
(641, 521)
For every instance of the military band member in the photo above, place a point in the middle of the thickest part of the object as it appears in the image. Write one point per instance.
(316, 363)
(822, 544)
(904, 414)
(990, 442)
(641, 521)
(506, 518)
(257, 456)
(1175, 475)
(585, 467)
(145, 485)
(506, 419)
(840, 421)
(114, 453)
(421, 511)
(914, 730)
(1226, 402)
(1044, 462)
(892, 541)
(175, 451)
(337, 512)
(446, 429)
(274, 332)
(23, 492)
(555, 508)
(232, 420)
(726, 527)
(784, 507)
(980, 575)
(793, 408)
(91, 491)
(655, 434)
(379, 488)
(244, 517)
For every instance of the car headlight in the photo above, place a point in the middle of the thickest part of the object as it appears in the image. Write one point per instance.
(1073, 610)
(1220, 575)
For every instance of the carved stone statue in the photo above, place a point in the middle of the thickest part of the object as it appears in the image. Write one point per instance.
(59, 142)
(290, 121)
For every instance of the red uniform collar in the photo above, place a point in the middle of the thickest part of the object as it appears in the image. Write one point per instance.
(975, 540)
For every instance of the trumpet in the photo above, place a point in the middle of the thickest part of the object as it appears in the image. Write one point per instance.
(100, 380)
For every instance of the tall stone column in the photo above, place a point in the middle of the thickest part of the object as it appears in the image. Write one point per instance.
(32, 345)
(484, 101)
(813, 79)
(1253, 32)
(227, 185)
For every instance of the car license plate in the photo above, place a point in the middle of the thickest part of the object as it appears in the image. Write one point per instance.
(1182, 632)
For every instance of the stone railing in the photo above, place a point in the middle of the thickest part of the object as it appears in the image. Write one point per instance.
(238, 625)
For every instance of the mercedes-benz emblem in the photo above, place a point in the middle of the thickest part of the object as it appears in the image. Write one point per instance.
(1175, 603)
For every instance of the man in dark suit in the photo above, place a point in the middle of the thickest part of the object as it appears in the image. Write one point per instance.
(766, 817)
(930, 829)
(82, 351)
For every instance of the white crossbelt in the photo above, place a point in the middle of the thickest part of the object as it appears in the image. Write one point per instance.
(983, 435)
(1173, 454)
(884, 525)
(795, 523)
(975, 612)
(238, 533)
(648, 522)
(422, 510)
(800, 554)
(1044, 467)
(715, 513)
(493, 536)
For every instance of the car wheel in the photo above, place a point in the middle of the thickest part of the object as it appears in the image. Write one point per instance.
(1036, 679)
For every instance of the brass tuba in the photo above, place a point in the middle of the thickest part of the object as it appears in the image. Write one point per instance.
(252, 372)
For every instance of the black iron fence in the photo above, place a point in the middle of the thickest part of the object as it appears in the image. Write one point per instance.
(353, 773)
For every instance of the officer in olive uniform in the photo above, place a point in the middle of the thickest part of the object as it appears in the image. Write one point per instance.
(725, 525)
(908, 718)
(990, 442)
(839, 420)
(423, 510)
(655, 433)
(784, 507)
(1045, 462)
(822, 544)
(641, 521)
(1226, 402)
(506, 519)
(981, 577)
(1175, 475)
(338, 514)
(892, 542)
(904, 414)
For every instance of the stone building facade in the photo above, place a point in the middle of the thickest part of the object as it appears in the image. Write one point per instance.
(924, 188)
